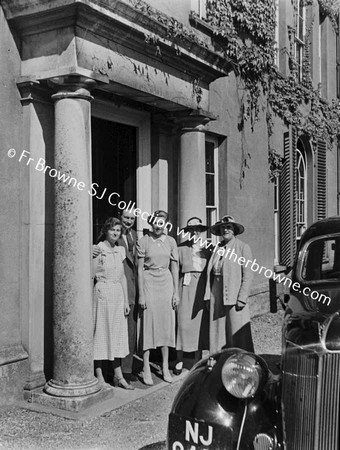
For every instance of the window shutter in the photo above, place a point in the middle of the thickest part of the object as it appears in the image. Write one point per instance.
(321, 192)
(287, 200)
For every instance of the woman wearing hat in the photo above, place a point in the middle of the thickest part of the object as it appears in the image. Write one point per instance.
(228, 284)
(192, 320)
(158, 292)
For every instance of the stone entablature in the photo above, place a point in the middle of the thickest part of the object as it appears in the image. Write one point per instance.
(114, 43)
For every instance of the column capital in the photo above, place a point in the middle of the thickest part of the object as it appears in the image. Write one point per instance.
(193, 120)
(72, 86)
(32, 91)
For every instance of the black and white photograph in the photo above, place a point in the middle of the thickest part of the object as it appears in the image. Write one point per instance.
(170, 225)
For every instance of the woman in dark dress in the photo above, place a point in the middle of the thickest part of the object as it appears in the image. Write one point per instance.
(192, 317)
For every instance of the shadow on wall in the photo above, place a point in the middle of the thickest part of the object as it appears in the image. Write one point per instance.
(46, 118)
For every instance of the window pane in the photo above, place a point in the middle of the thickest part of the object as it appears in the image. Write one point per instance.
(322, 260)
(209, 157)
(276, 194)
(210, 189)
(301, 204)
(211, 219)
(300, 19)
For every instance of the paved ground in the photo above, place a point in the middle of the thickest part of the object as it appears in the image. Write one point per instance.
(135, 425)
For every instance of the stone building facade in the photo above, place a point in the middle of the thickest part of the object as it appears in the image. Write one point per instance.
(102, 105)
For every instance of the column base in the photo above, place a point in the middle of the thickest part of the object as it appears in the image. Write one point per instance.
(35, 380)
(58, 389)
(74, 404)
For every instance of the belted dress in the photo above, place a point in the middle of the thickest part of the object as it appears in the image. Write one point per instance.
(157, 321)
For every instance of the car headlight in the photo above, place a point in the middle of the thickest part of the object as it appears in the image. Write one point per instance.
(243, 373)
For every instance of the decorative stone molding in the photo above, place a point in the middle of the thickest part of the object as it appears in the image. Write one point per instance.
(121, 23)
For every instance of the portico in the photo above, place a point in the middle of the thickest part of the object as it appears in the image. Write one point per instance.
(78, 62)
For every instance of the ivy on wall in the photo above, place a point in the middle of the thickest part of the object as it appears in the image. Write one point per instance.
(176, 31)
(244, 33)
(328, 8)
(248, 32)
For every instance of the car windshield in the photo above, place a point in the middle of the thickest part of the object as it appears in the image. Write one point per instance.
(322, 260)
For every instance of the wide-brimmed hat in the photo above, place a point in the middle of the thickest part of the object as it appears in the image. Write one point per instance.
(216, 229)
(195, 222)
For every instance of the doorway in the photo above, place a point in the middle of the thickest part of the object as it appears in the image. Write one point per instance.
(114, 168)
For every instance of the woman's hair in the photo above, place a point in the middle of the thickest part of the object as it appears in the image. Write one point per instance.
(109, 223)
(159, 214)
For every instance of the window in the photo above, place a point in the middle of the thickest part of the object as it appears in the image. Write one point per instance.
(301, 191)
(211, 182)
(322, 260)
(199, 7)
(299, 38)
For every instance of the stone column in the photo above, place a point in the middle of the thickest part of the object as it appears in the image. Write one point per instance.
(33, 237)
(73, 377)
(191, 186)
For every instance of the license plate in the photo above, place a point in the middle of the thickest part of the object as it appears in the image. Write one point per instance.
(189, 434)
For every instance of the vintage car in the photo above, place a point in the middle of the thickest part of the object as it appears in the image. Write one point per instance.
(231, 400)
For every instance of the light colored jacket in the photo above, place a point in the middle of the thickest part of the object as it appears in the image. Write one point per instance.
(237, 277)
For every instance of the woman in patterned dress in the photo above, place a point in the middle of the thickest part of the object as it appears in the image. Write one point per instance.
(158, 292)
(110, 306)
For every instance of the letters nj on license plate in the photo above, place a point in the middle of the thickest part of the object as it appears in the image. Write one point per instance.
(188, 434)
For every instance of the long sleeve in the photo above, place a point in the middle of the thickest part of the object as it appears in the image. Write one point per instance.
(247, 275)
(207, 294)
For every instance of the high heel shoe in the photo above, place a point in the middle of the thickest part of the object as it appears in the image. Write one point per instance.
(167, 377)
(122, 383)
(103, 383)
(147, 379)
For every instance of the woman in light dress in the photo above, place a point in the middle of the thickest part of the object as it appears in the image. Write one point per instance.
(158, 292)
(110, 305)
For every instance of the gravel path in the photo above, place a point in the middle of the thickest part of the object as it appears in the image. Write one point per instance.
(267, 333)
(139, 425)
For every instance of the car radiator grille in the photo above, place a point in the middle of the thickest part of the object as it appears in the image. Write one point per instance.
(310, 400)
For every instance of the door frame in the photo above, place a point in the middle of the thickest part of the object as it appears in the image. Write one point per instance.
(102, 109)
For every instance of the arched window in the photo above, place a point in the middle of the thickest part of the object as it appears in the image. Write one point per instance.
(301, 191)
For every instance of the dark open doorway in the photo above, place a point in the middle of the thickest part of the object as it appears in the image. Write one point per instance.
(114, 165)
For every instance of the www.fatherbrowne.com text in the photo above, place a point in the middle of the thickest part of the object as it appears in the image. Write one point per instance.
(255, 267)
(93, 190)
